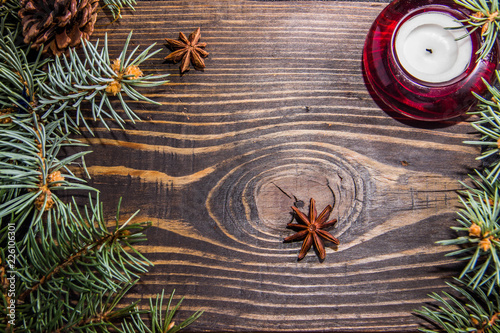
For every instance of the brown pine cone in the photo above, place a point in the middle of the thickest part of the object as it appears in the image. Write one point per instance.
(57, 24)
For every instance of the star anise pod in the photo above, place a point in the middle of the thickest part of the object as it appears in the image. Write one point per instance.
(311, 229)
(189, 50)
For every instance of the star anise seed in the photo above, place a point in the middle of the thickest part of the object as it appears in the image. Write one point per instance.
(311, 229)
(187, 50)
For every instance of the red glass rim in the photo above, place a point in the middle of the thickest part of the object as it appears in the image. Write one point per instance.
(407, 95)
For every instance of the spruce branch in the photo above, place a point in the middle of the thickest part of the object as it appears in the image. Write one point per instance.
(479, 220)
(31, 173)
(115, 6)
(18, 75)
(72, 267)
(74, 264)
(8, 11)
(470, 310)
(159, 322)
(98, 312)
(486, 18)
(488, 127)
(95, 81)
(83, 246)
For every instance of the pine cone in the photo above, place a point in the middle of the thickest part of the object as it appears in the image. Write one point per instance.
(57, 24)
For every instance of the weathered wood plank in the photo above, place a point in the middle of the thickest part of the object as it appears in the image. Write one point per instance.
(281, 114)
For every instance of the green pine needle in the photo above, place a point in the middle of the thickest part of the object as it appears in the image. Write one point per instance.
(75, 253)
(466, 311)
(31, 174)
(488, 127)
(72, 267)
(77, 85)
(115, 6)
(479, 221)
(485, 19)
(160, 322)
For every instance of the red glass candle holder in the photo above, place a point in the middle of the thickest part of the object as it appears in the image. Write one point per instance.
(408, 95)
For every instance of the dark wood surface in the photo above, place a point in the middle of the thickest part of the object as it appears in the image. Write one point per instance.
(281, 114)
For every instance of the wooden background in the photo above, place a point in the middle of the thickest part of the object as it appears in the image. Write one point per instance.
(281, 114)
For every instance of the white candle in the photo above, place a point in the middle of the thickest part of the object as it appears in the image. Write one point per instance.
(428, 51)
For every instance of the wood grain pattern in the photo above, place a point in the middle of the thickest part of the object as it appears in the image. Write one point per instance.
(281, 114)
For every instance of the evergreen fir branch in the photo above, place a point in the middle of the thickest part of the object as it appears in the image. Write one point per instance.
(485, 18)
(9, 6)
(31, 172)
(97, 312)
(74, 254)
(72, 270)
(8, 11)
(18, 75)
(91, 312)
(83, 247)
(95, 82)
(159, 321)
(480, 186)
(488, 126)
(471, 310)
(479, 219)
(115, 6)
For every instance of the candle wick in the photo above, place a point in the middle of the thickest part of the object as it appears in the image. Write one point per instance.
(429, 50)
